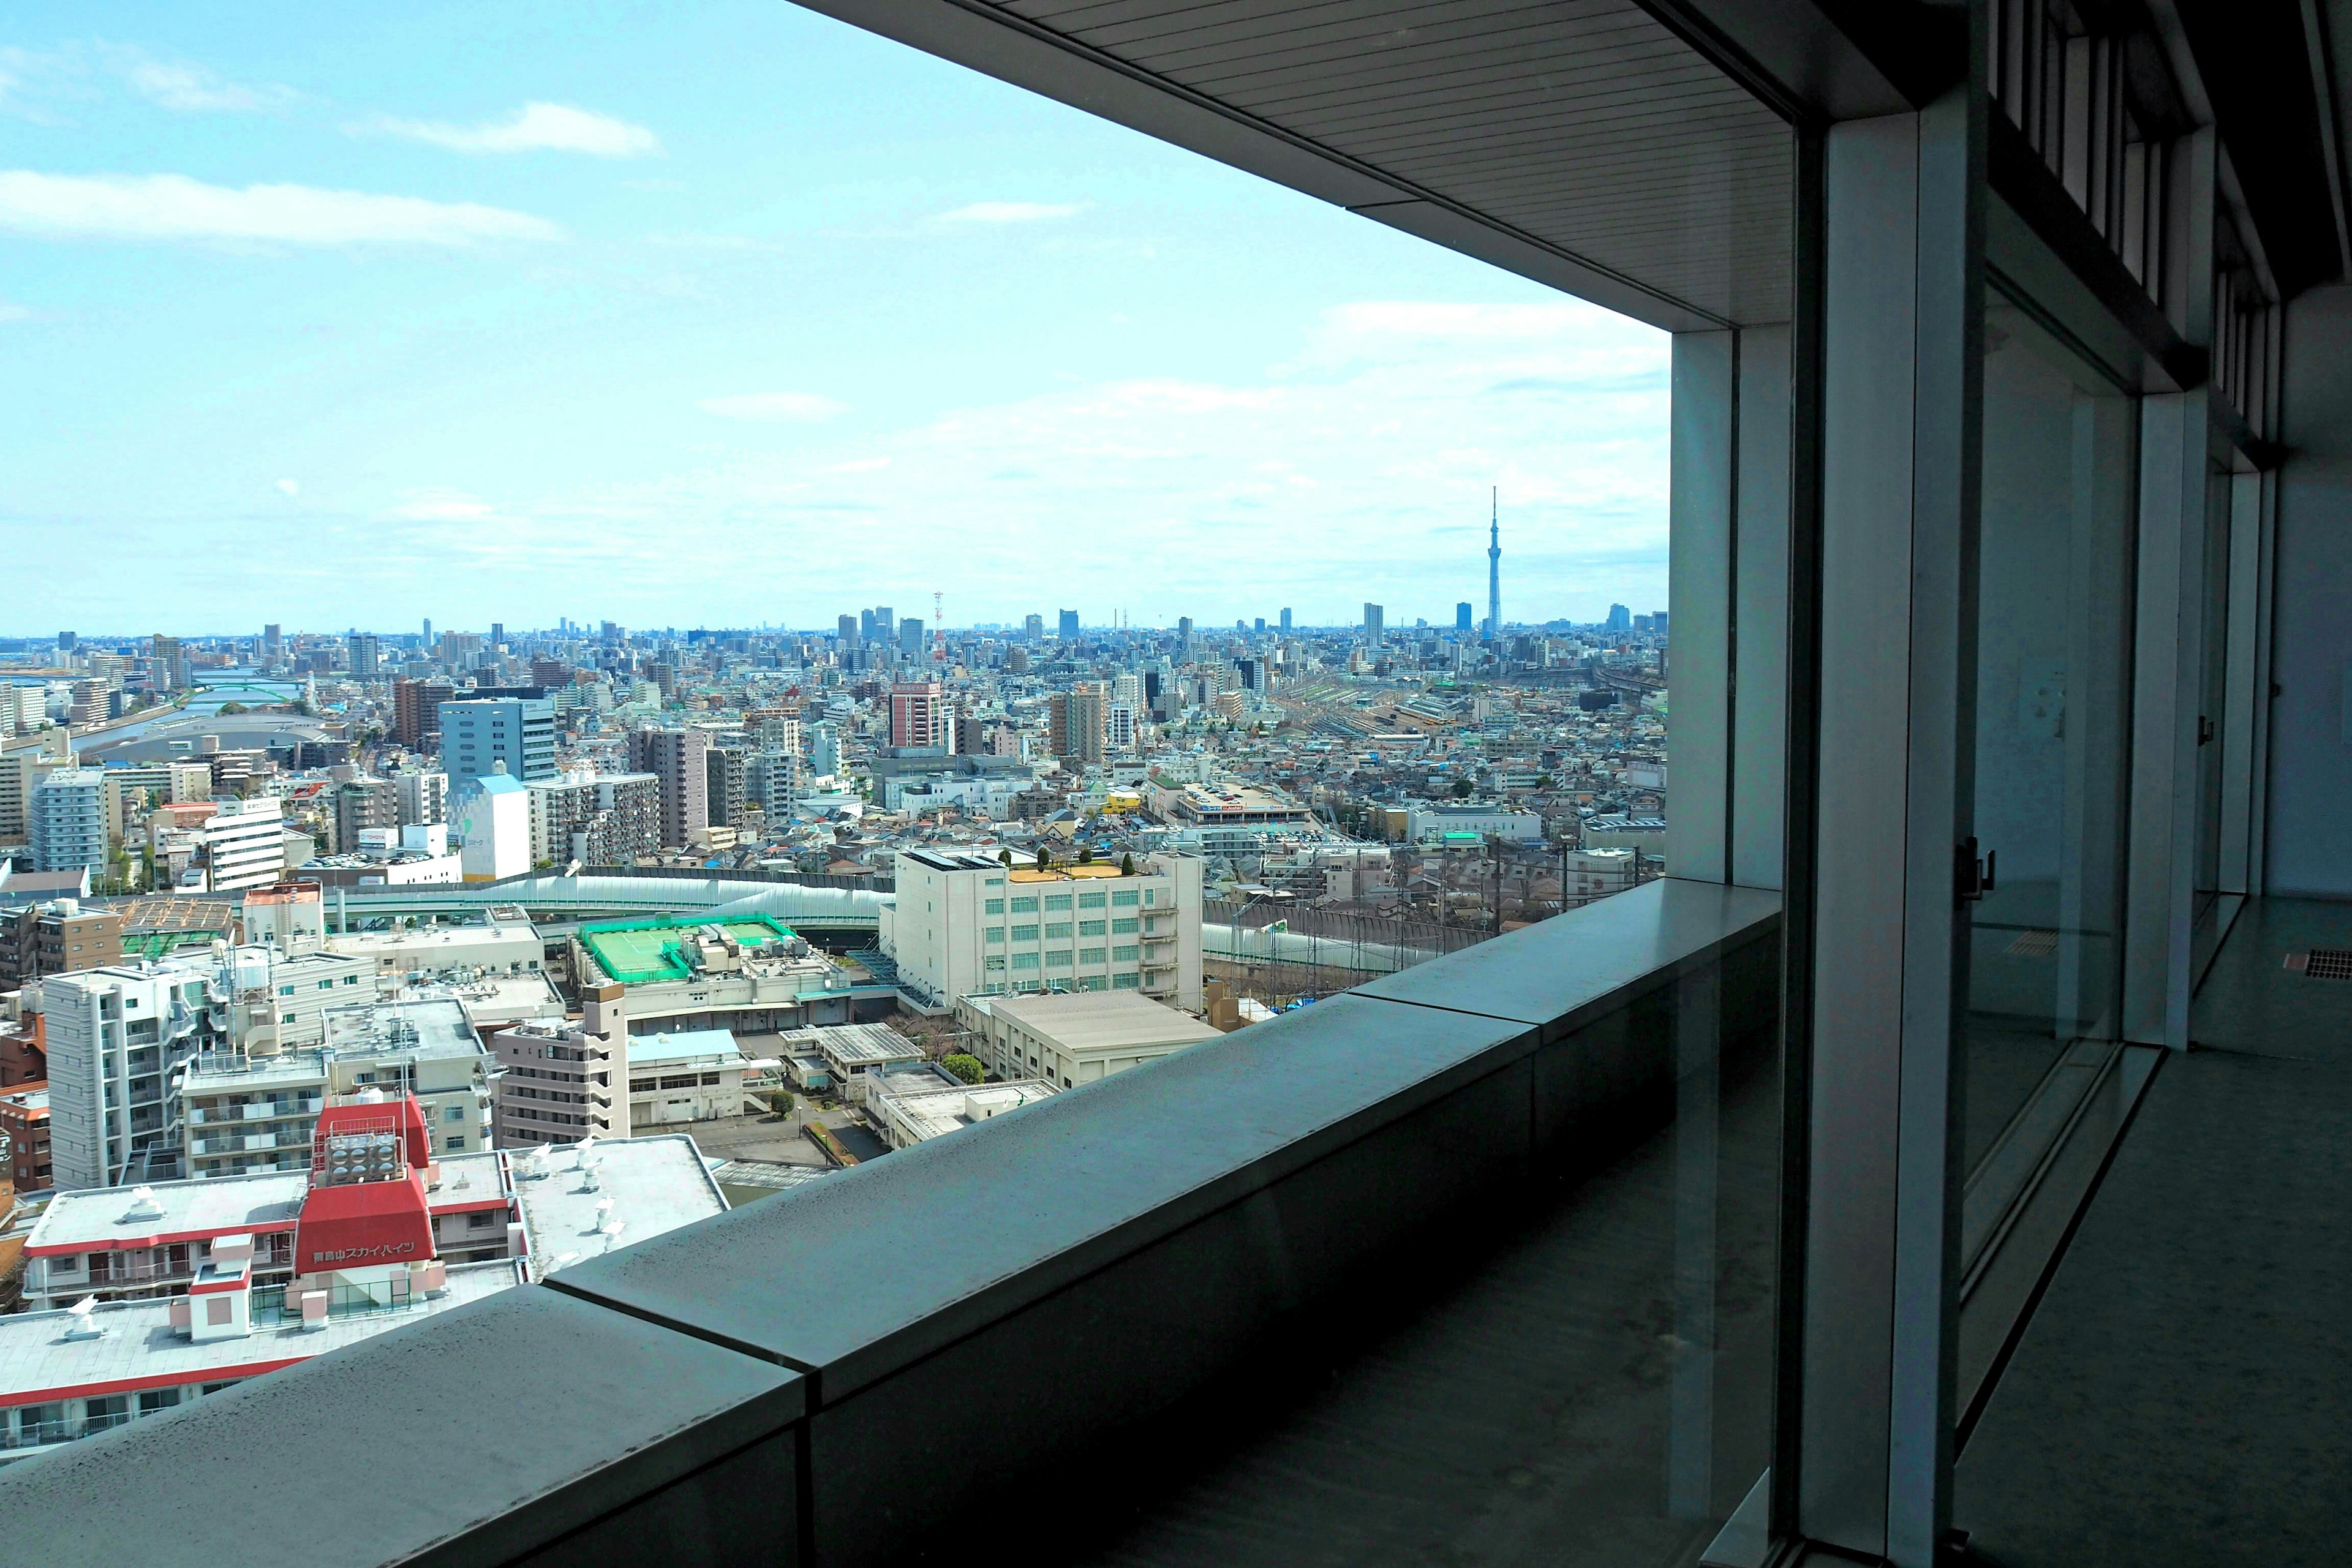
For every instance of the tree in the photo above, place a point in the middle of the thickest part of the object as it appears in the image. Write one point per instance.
(1085, 853)
(1044, 859)
(1461, 789)
(780, 1100)
(1004, 858)
(1127, 864)
(226, 708)
(964, 1067)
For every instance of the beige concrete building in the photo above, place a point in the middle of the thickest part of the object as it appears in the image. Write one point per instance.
(963, 924)
(1076, 1038)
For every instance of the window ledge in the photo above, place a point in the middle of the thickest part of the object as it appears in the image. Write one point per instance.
(1021, 1288)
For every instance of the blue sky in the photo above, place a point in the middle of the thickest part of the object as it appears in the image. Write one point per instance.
(730, 314)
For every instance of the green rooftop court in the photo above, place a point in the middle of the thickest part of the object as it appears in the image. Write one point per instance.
(636, 952)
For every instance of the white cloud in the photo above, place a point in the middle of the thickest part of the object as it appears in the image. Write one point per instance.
(1429, 319)
(533, 128)
(173, 206)
(290, 486)
(435, 505)
(180, 85)
(773, 407)
(1374, 446)
(11, 312)
(1008, 212)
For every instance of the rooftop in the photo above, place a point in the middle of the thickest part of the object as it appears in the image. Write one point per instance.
(931, 1108)
(96, 1220)
(636, 952)
(1096, 869)
(583, 1200)
(684, 1044)
(427, 937)
(138, 1347)
(1100, 1020)
(851, 1045)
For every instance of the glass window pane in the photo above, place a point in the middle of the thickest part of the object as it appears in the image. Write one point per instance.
(2051, 710)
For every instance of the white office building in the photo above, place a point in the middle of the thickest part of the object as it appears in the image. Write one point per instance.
(964, 924)
(67, 821)
(1432, 822)
(241, 845)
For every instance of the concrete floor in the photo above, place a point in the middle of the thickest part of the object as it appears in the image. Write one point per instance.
(2184, 1393)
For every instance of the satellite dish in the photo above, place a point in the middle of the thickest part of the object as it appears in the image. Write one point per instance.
(84, 1308)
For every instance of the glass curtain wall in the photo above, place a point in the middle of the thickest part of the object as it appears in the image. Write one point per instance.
(2053, 695)
(2212, 703)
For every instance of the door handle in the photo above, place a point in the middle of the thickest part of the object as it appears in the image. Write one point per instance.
(1972, 877)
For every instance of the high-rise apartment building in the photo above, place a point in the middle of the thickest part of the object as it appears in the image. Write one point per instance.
(423, 797)
(113, 1035)
(1033, 628)
(920, 716)
(679, 760)
(771, 779)
(1069, 626)
(910, 637)
(167, 667)
(67, 821)
(91, 699)
(596, 819)
(362, 804)
(1375, 625)
(1077, 720)
(825, 747)
(273, 643)
(848, 631)
(557, 1082)
(517, 731)
(367, 651)
(416, 712)
(1286, 623)
(1462, 613)
(727, 785)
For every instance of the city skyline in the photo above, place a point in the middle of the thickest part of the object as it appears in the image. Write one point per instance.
(393, 325)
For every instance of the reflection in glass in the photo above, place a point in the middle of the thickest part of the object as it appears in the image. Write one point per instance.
(2053, 691)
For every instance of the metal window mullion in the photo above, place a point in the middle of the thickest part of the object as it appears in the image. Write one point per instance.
(1901, 422)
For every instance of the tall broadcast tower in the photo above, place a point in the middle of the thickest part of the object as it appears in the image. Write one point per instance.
(1495, 567)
